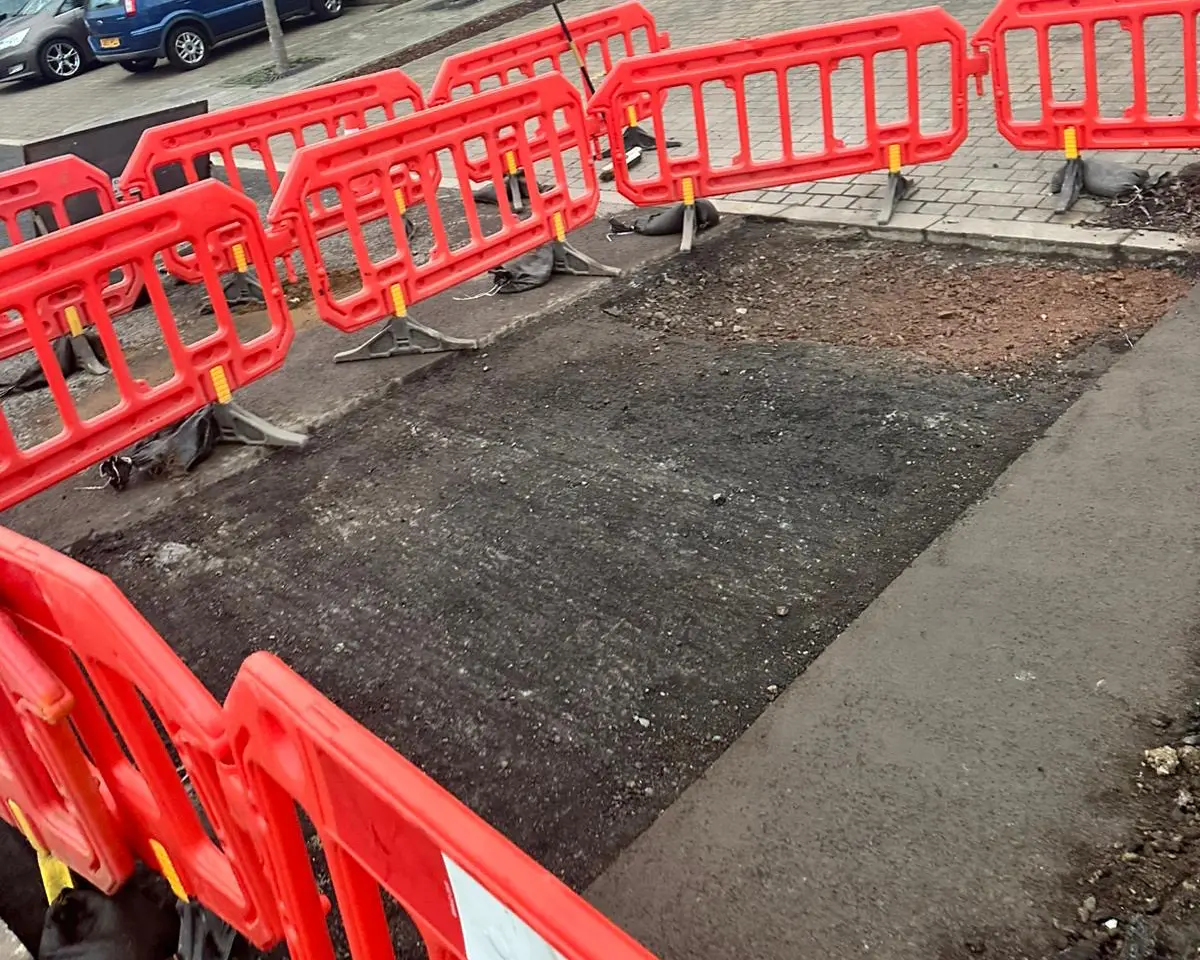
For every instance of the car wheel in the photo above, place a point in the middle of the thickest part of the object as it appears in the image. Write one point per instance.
(187, 47)
(60, 59)
(328, 9)
(141, 65)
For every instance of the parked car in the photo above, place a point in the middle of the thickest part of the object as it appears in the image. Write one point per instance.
(138, 33)
(45, 38)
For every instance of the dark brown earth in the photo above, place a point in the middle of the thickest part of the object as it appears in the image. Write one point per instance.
(563, 575)
(960, 310)
(1169, 203)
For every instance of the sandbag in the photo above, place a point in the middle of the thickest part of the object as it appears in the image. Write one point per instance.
(33, 377)
(664, 223)
(487, 193)
(1104, 178)
(138, 923)
(173, 450)
(525, 273)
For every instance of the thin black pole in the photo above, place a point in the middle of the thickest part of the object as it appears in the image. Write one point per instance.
(587, 80)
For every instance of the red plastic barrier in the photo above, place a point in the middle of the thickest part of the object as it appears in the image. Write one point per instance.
(293, 116)
(1072, 125)
(886, 146)
(54, 284)
(383, 823)
(46, 187)
(546, 50)
(38, 753)
(409, 147)
(115, 666)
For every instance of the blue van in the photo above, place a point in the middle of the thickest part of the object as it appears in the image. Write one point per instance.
(138, 33)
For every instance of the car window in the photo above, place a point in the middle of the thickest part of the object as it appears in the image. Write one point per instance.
(35, 6)
(102, 4)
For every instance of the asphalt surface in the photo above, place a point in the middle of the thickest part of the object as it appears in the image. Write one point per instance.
(563, 577)
(931, 783)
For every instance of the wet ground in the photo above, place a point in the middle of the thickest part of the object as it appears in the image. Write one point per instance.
(562, 576)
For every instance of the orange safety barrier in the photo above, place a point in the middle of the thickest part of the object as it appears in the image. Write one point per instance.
(42, 191)
(53, 284)
(123, 682)
(684, 176)
(38, 751)
(361, 168)
(603, 37)
(228, 136)
(382, 823)
(1079, 124)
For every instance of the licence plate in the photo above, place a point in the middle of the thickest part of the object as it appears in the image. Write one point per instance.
(110, 43)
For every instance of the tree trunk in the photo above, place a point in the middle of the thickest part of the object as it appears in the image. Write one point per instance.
(275, 34)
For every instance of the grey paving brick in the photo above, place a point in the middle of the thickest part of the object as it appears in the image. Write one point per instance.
(986, 212)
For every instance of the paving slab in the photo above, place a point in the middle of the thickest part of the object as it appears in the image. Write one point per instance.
(937, 772)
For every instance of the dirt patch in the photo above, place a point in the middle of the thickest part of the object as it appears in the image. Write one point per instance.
(562, 575)
(959, 309)
(1171, 203)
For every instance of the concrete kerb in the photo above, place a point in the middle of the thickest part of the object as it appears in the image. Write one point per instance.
(1096, 243)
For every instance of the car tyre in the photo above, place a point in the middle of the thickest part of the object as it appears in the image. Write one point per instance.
(60, 59)
(140, 65)
(328, 9)
(188, 47)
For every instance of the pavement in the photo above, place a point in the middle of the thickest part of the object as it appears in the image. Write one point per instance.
(986, 181)
(935, 773)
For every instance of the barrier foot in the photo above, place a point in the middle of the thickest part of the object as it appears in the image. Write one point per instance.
(400, 337)
(689, 228)
(517, 191)
(239, 425)
(635, 136)
(1072, 185)
(570, 259)
(899, 187)
(241, 290)
(85, 356)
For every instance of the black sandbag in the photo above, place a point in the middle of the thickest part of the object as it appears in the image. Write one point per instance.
(663, 223)
(33, 377)
(138, 923)
(173, 450)
(487, 193)
(1104, 178)
(525, 273)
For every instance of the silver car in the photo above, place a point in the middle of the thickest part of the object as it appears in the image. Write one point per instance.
(44, 39)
